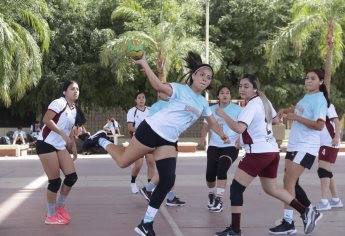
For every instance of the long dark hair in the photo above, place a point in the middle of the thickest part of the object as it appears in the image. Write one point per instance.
(321, 74)
(194, 63)
(80, 117)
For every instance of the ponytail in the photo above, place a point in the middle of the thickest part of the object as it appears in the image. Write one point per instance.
(323, 89)
(80, 117)
(267, 106)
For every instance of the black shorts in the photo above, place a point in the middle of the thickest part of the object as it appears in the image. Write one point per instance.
(43, 147)
(216, 152)
(150, 138)
(303, 158)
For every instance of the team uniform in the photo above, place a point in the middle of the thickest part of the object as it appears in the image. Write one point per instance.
(262, 152)
(327, 151)
(304, 143)
(157, 106)
(221, 155)
(48, 140)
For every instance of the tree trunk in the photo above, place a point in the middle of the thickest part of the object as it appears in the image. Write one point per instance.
(329, 56)
(160, 66)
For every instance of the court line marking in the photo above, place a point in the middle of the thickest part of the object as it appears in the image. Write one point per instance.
(14, 201)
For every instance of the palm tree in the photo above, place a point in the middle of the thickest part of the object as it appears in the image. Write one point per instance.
(22, 25)
(324, 18)
(167, 36)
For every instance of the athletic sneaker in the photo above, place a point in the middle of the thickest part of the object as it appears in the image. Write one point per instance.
(134, 188)
(210, 202)
(218, 205)
(175, 202)
(145, 229)
(318, 215)
(93, 140)
(335, 204)
(146, 194)
(55, 220)
(61, 211)
(308, 218)
(228, 232)
(284, 228)
(320, 206)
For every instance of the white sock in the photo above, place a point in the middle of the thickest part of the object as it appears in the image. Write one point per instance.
(150, 214)
(336, 199)
(220, 192)
(103, 142)
(212, 190)
(288, 215)
(324, 201)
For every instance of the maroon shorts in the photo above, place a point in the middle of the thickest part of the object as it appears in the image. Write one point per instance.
(328, 154)
(260, 164)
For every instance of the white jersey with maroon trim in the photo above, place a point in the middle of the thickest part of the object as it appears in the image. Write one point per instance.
(328, 131)
(258, 137)
(136, 116)
(64, 119)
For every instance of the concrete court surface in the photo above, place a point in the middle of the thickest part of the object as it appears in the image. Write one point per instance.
(101, 203)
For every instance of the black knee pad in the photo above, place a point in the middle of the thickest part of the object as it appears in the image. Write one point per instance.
(54, 185)
(323, 173)
(70, 179)
(223, 167)
(236, 193)
(166, 169)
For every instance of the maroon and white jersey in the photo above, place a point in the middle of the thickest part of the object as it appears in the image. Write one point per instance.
(64, 119)
(258, 137)
(328, 131)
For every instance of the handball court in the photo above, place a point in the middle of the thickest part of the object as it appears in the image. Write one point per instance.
(101, 202)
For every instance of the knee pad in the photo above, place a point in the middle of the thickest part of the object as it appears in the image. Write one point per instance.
(54, 185)
(166, 170)
(323, 173)
(223, 167)
(236, 193)
(70, 179)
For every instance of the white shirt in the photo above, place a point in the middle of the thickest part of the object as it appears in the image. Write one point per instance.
(112, 125)
(232, 110)
(64, 119)
(184, 108)
(328, 131)
(304, 139)
(258, 137)
(136, 116)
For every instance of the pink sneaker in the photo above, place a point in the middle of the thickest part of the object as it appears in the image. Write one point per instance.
(61, 211)
(55, 220)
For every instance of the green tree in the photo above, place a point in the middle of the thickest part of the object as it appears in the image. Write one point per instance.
(322, 19)
(24, 36)
(168, 29)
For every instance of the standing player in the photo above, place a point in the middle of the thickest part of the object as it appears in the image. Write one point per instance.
(61, 116)
(135, 116)
(220, 156)
(330, 140)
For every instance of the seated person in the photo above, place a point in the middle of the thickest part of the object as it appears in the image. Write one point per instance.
(112, 127)
(19, 136)
(35, 130)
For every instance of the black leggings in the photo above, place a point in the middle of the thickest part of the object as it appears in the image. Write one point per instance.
(166, 170)
(301, 196)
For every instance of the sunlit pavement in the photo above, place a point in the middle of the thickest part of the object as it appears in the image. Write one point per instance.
(101, 202)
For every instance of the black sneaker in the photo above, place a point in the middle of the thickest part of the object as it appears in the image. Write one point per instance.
(175, 202)
(218, 205)
(308, 218)
(145, 229)
(210, 202)
(92, 141)
(146, 194)
(318, 215)
(228, 232)
(284, 228)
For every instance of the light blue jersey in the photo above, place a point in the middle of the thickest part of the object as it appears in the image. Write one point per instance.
(184, 108)
(232, 110)
(157, 106)
(301, 138)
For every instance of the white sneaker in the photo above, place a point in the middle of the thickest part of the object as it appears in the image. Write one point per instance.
(335, 204)
(134, 188)
(320, 206)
